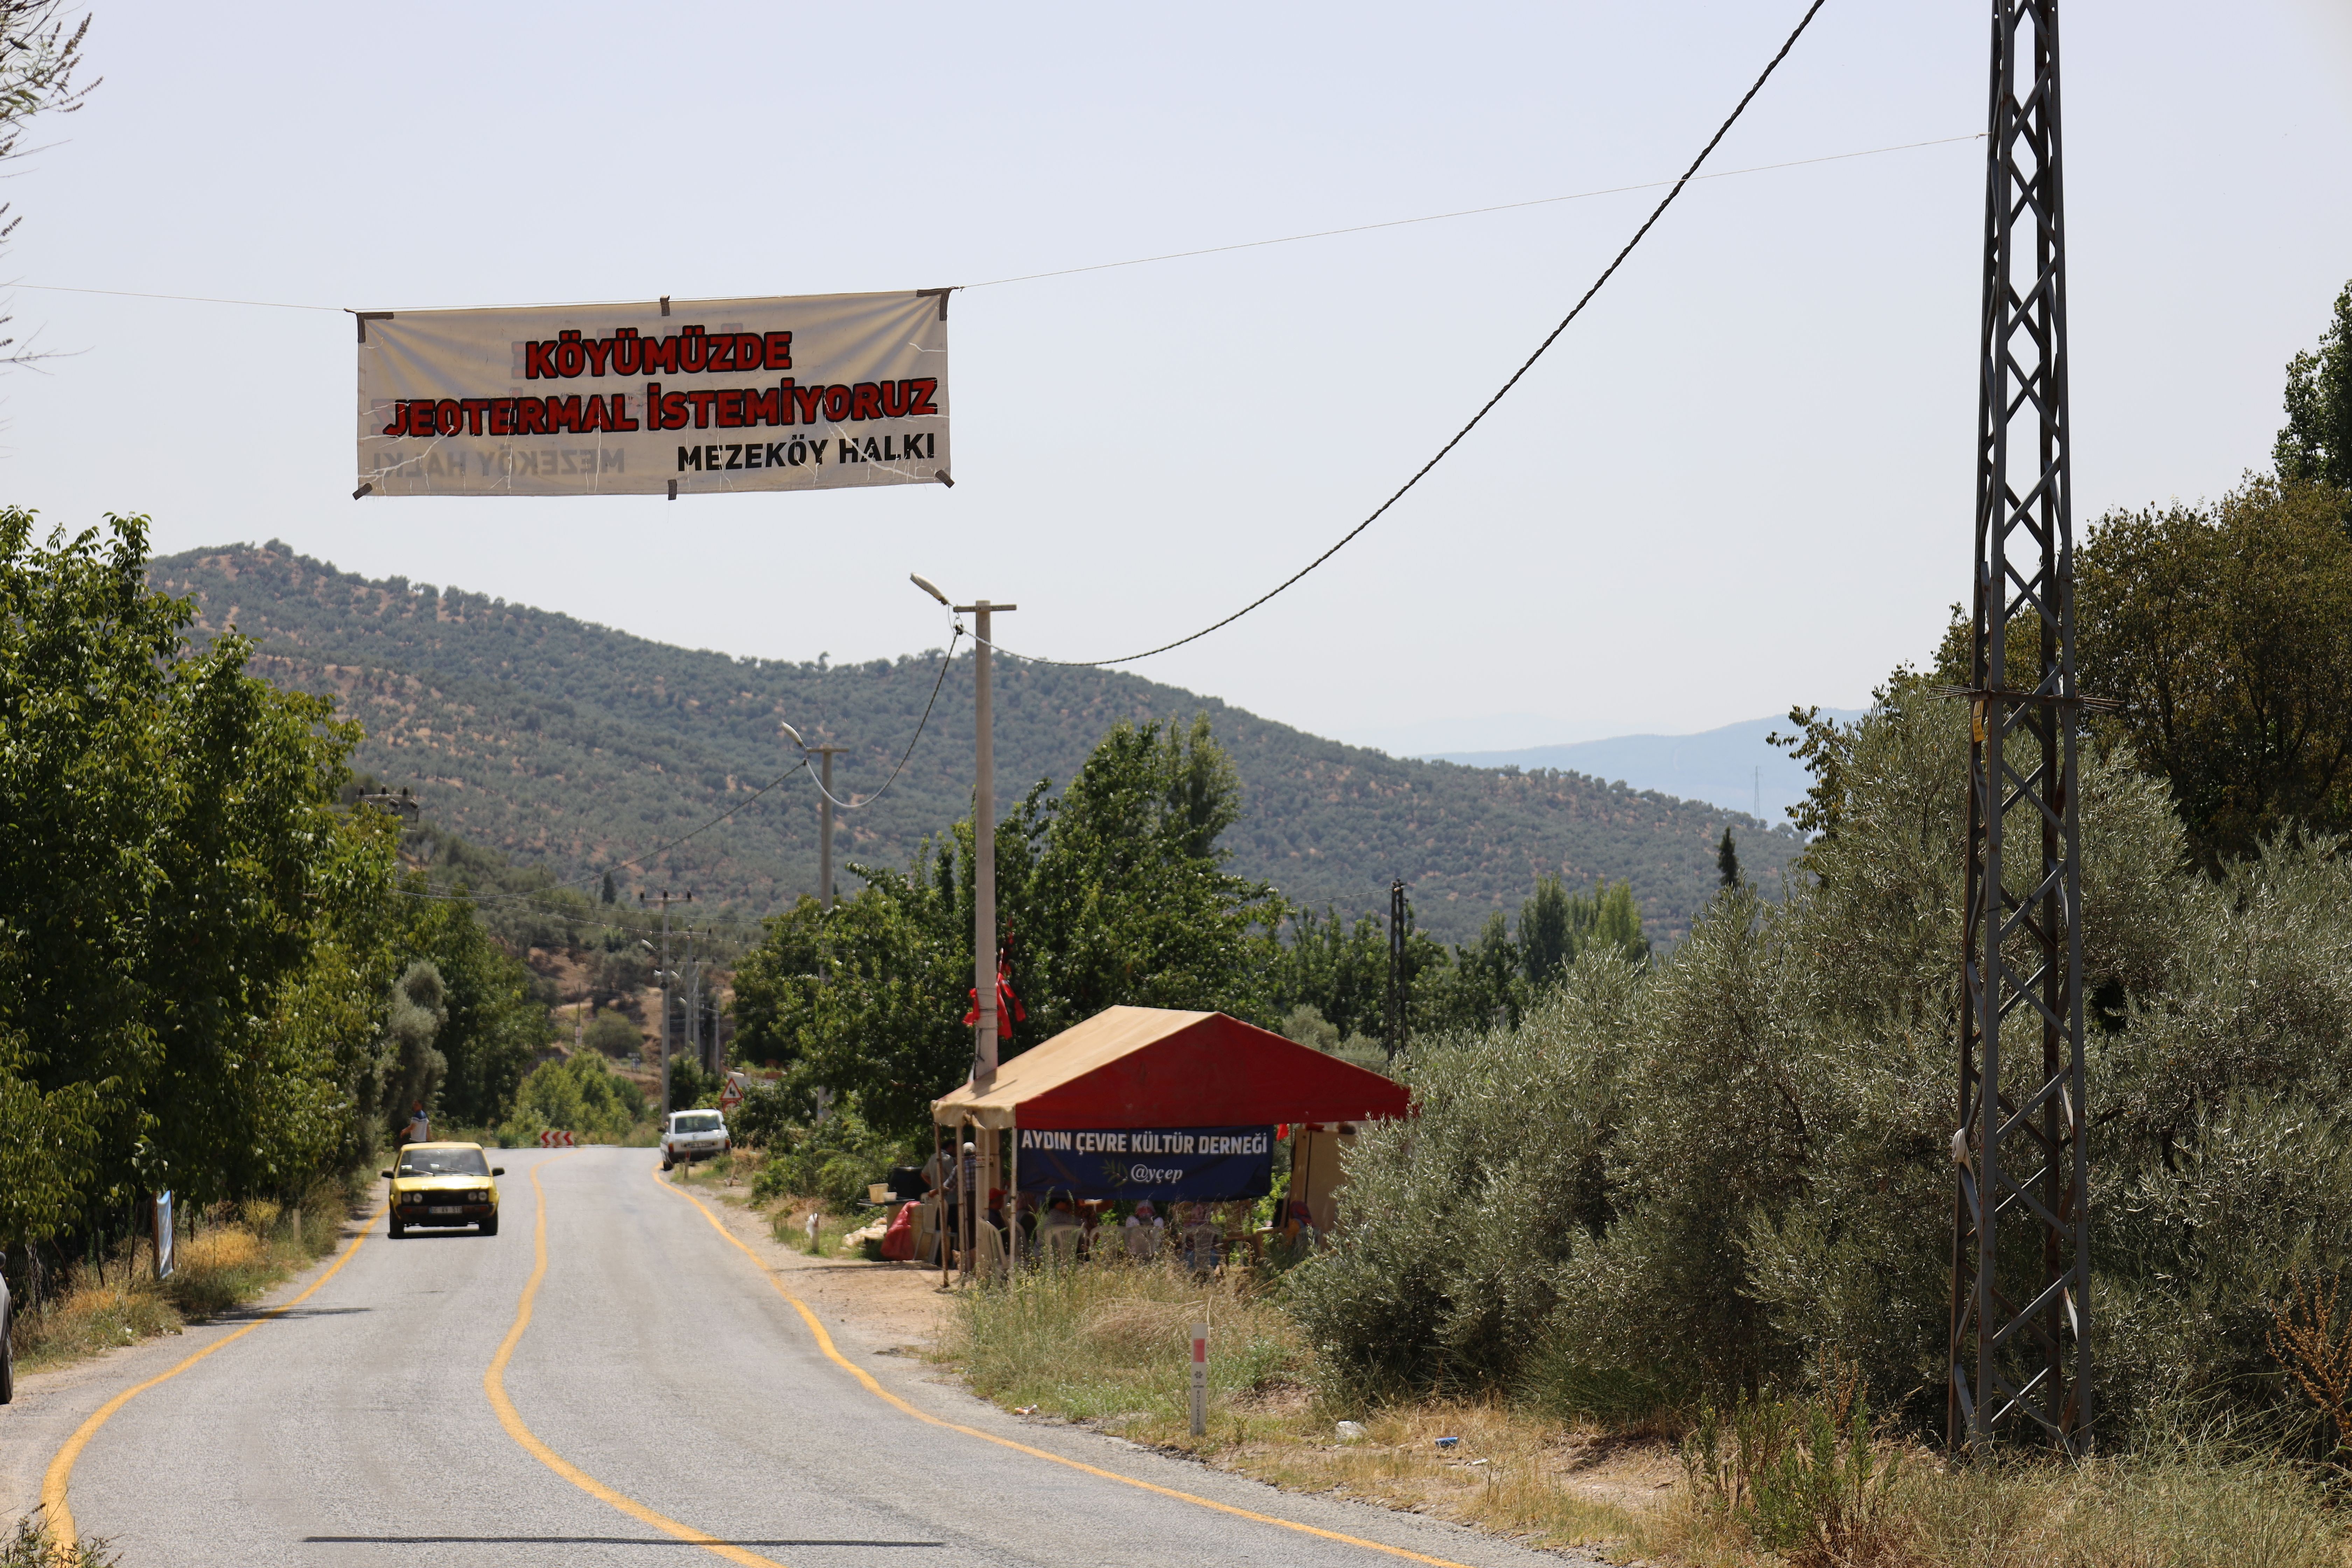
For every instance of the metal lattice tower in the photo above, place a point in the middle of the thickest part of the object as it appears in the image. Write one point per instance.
(2020, 1343)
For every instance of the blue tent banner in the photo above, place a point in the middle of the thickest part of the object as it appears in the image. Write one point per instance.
(1201, 1164)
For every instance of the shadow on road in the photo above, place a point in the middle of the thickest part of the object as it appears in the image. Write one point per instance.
(577, 1540)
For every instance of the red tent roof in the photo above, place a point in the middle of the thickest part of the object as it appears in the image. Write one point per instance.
(1154, 1066)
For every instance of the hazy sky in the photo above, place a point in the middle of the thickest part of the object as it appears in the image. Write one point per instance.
(1742, 479)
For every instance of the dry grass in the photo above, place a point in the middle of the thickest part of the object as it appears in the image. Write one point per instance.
(1108, 1346)
(2177, 1511)
(1508, 1472)
(1111, 1342)
(227, 1263)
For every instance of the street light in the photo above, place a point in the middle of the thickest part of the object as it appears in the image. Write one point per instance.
(919, 581)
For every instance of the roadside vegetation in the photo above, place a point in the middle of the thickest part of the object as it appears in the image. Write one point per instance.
(1687, 1224)
(221, 1260)
(30, 1544)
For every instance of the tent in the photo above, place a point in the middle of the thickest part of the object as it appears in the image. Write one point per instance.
(1155, 1067)
(1149, 1102)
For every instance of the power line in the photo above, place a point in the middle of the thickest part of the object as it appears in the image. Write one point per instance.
(1131, 262)
(183, 299)
(1470, 212)
(862, 803)
(1485, 408)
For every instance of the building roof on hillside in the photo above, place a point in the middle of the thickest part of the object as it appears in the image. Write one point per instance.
(1156, 1067)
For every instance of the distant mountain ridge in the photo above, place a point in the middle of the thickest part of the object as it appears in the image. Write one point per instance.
(1733, 766)
(576, 746)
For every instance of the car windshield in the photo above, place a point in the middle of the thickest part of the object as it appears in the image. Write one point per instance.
(443, 1162)
(697, 1121)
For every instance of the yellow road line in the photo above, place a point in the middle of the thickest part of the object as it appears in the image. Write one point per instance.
(494, 1384)
(60, 1471)
(825, 1343)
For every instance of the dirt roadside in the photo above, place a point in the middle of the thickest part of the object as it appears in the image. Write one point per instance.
(883, 1308)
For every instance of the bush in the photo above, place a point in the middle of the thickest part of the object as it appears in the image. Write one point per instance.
(764, 1117)
(1706, 1180)
(1801, 1475)
(578, 1094)
(690, 1086)
(32, 1546)
(613, 1034)
(1458, 1223)
(834, 1161)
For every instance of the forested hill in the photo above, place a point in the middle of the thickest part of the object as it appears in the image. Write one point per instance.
(579, 746)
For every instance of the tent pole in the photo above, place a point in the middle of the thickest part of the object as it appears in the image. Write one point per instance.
(940, 1229)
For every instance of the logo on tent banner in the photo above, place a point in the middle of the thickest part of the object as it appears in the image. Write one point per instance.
(1202, 1164)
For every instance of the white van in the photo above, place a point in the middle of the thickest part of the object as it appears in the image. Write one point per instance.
(694, 1135)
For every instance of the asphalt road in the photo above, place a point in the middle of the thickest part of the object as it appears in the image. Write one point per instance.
(662, 1367)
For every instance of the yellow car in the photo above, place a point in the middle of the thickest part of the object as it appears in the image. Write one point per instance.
(444, 1185)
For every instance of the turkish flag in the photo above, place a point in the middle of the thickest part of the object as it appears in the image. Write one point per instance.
(1009, 1010)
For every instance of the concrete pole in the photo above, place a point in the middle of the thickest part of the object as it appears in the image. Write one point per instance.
(664, 1007)
(668, 898)
(984, 848)
(825, 826)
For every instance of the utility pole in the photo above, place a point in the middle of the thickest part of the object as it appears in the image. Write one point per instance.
(693, 1004)
(668, 899)
(983, 849)
(2021, 1308)
(825, 826)
(1396, 968)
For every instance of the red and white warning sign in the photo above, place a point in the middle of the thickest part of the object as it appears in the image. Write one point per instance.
(552, 1139)
(732, 1095)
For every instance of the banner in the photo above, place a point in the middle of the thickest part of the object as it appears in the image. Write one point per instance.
(1206, 1165)
(676, 397)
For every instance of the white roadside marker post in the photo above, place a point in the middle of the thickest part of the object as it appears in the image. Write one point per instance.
(1200, 1379)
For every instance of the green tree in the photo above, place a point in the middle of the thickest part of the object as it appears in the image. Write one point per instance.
(1111, 892)
(1726, 861)
(581, 1094)
(2223, 637)
(1339, 970)
(1485, 972)
(2316, 445)
(190, 930)
(496, 1024)
(1546, 932)
(413, 1070)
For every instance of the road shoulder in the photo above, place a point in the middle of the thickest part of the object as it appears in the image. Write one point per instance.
(49, 1404)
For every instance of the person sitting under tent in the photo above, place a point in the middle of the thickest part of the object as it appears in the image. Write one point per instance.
(1144, 1230)
(1057, 1233)
(1203, 1241)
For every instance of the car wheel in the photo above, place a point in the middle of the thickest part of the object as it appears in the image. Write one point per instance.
(489, 1227)
(668, 1163)
(398, 1229)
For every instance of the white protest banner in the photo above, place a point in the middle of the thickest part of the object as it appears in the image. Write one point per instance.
(676, 397)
